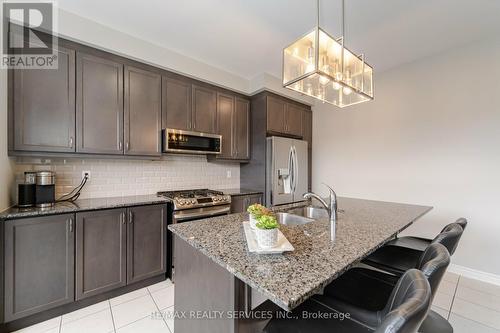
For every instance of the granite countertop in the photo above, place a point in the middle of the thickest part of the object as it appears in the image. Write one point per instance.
(82, 205)
(291, 278)
(241, 191)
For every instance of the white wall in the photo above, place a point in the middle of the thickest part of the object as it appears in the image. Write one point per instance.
(431, 137)
(82, 30)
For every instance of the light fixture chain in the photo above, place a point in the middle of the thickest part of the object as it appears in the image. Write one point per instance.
(317, 14)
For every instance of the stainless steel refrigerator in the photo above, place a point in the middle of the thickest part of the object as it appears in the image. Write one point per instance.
(286, 174)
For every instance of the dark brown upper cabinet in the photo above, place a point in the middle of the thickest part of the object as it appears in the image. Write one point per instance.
(101, 252)
(275, 115)
(142, 117)
(307, 127)
(99, 94)
(283, 117)
(176, 104)
(204, 113)
(242, 128)
(225, 121)
(293, 119)
(42, 111)
(233, 123)
(147, 242)
(39, 264)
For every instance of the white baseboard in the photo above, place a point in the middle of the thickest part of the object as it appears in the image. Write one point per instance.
(475, 274)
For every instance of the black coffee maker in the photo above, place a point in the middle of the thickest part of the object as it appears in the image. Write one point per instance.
(26, 191)
(39, 189)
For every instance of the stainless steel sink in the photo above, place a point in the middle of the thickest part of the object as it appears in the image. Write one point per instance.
(292, 219)
(310, 212)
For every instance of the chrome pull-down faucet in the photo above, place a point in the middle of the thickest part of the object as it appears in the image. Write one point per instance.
(331, 208)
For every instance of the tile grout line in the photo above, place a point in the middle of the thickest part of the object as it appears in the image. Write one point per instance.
(163, 318)
(60, 324)
(454, 295)
(112, 317)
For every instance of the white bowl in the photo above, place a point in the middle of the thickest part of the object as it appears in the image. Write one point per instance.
(267, 237)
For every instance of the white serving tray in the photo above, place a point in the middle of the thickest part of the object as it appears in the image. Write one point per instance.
(253, 246)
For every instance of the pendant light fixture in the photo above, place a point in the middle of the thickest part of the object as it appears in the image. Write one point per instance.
(320, 66)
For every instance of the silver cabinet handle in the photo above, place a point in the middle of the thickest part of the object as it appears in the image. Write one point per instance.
(127, 146)
(130, 217)
(71, 142)
(70, 224)
(120, 145)
(122, 218)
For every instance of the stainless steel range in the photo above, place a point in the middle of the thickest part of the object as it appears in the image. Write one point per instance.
(191, 205)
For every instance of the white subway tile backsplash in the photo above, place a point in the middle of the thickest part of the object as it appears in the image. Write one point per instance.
(133, 177)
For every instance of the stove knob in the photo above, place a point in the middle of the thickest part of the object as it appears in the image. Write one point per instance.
(193, 202)
(216, 199)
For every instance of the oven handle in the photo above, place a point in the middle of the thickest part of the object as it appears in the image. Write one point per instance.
(182, 217)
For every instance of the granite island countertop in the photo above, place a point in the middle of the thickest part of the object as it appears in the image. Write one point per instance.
(291, 278)
(82, 205)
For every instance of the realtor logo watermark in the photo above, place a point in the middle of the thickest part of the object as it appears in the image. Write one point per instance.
(28, 35)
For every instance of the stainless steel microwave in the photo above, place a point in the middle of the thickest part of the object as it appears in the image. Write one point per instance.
(187, 142)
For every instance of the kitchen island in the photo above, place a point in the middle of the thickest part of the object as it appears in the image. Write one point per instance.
(216, 276)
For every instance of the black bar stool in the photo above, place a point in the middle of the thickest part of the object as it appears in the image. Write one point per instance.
(404, 312)
(421, 244)
(365, 291)
(398, 259)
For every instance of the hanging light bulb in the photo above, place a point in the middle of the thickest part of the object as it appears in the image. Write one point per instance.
(347, 91)
(323, 80)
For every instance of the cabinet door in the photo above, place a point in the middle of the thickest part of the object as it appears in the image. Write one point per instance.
(238, 204)
(147, 245)
(99, 94)
(242, 128)
(204, 109)
(39, 264)
(275, 115)
(254, 199)
(307, 127)
(176, 104)
(225, 115)
(100, 252)
(294, 119)
(44, 106)
(142, 112)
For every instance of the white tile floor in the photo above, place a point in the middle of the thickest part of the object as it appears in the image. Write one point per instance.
(138, 311)
(469, 305)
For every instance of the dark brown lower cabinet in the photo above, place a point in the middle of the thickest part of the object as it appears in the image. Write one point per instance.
(240, 203)
(101, 244)
(147, 242)
(39, 264)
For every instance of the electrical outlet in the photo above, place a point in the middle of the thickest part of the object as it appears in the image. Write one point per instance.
(86, 173)
(228, 174)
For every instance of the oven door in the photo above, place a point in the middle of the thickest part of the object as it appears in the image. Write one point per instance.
(178, 141)
(200, 213)
(194, 214)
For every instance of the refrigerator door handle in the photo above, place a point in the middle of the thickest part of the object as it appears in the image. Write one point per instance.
(295, 169)
(290, 168)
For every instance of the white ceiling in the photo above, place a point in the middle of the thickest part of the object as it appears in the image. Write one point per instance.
(246, 37)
